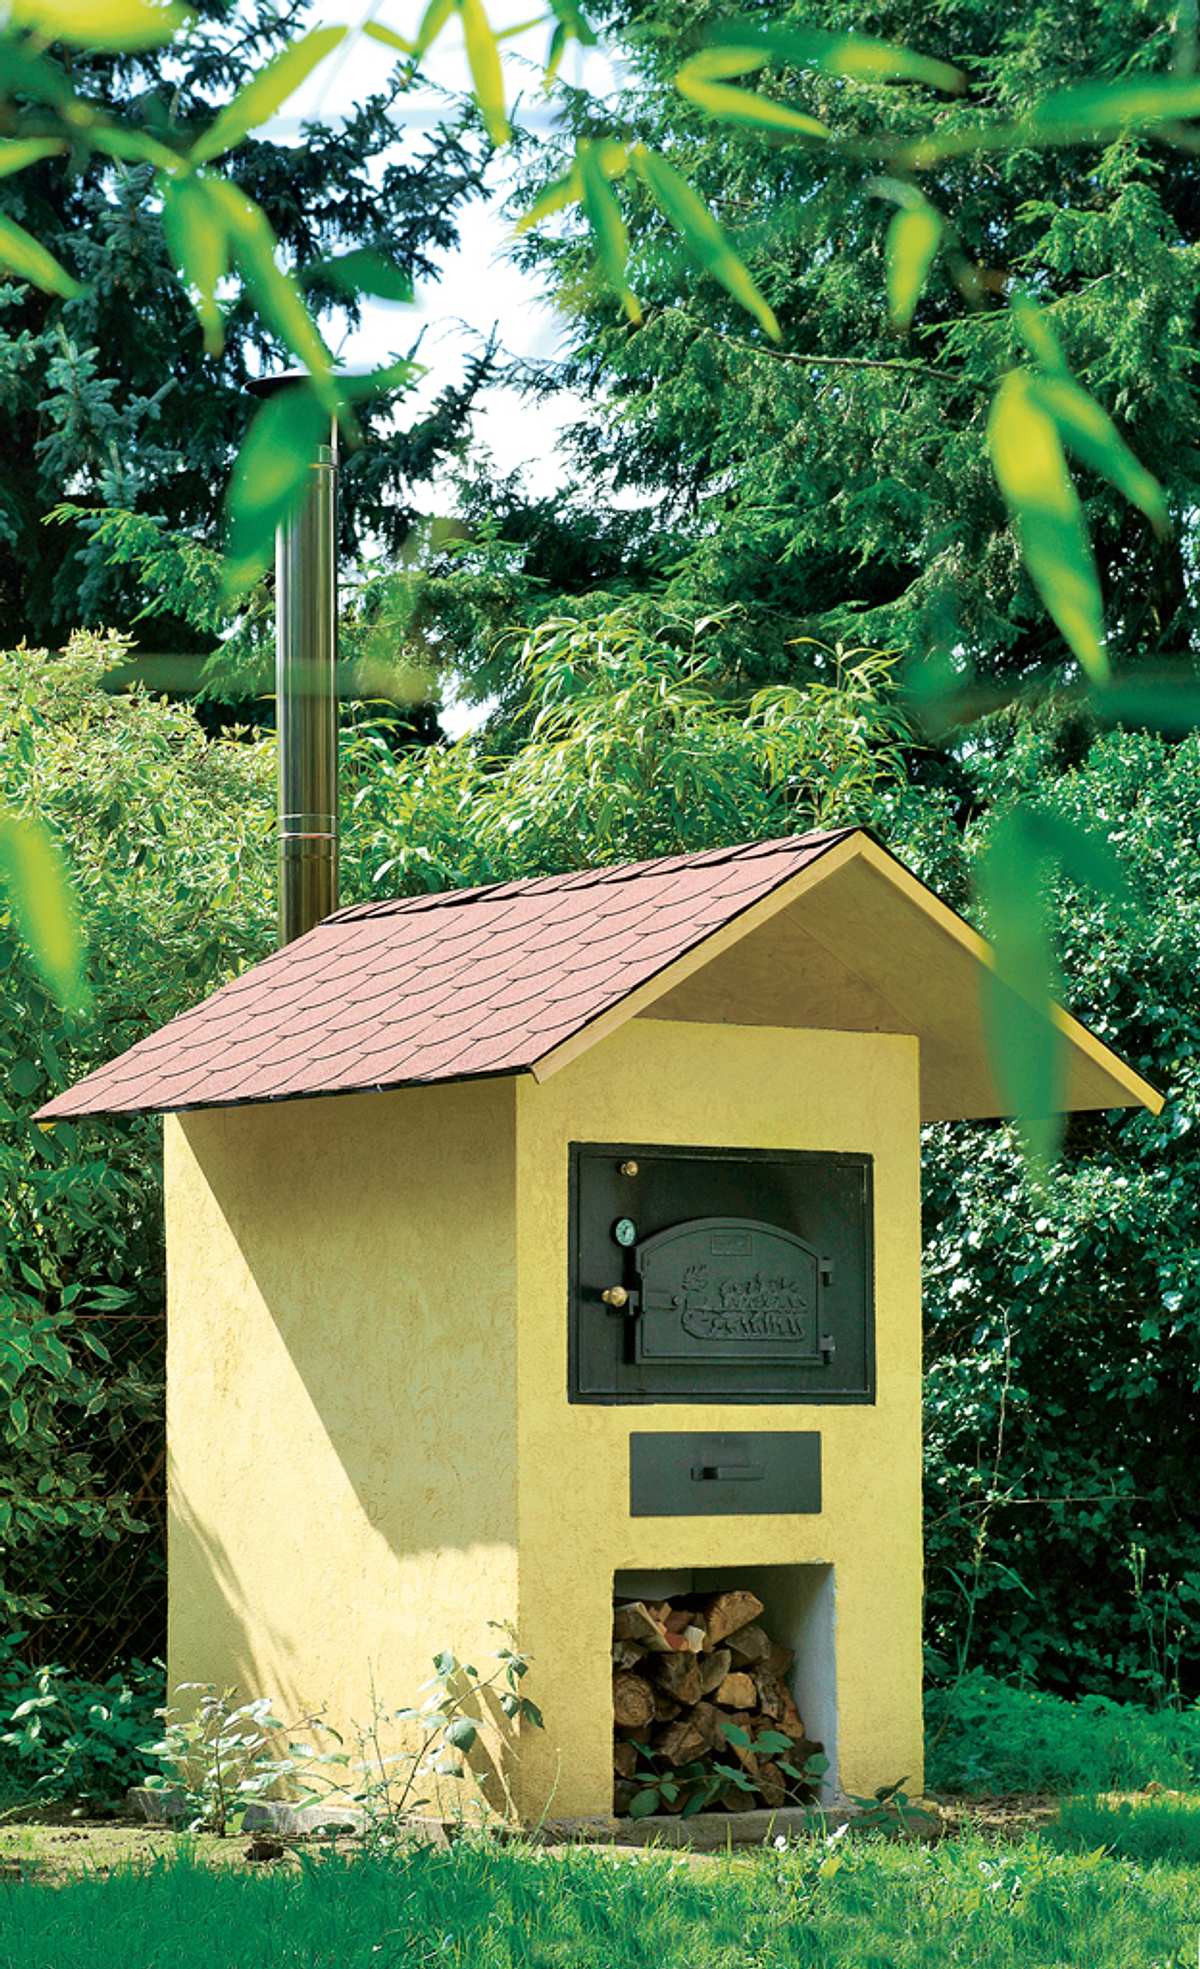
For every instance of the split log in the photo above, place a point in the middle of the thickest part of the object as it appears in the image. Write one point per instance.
(713, 1670)
(776, 1701)
(677, 1620)
(680, 1742)
(627, 1654)
(751, 1643)
(736, 1691)
(694, 1638)
(625, 1759)
(679, 1674)
(693, 1735)
(772, 1784)
(635, 1622)
(666, 1709)
(781, 1660)
(624, 1792)
(724, 1613)
(633, 1701)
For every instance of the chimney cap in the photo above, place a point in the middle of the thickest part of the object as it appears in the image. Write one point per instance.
(282, 379)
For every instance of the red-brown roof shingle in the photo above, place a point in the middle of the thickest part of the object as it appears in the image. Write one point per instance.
(439, 987)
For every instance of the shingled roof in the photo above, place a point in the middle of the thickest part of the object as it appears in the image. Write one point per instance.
(515, 977)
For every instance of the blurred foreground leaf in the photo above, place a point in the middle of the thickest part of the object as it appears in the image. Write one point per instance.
(1027, 848)
(270, 478)
(483, 58)
(28, 259)
(109, 24)
(266, 92)
(198, 241)
(39, 892)
(913, 239)
(855, 55)
(1032, 474)
(702, 236)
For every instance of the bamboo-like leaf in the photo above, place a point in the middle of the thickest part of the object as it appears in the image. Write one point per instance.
(1035, 329)
(276, 294)
(198, 242)
(270, 477)
(574, 20)
(39, 77)
(135, 147)
(702, 235)
(28, 259)
(1025, 1046)
(1099, 108)
(389, 37)
(483, 59)
(108, 24)
(1082, 423)
(379, 382)
(433, 20)
(563, 192)
(43, 906)
(365, 271)
(1086, 856)
(608, 227)
(744, 105)
(913, 238)
(1032, 473)
(266, 92)
(1093, 437)
(18, 153)
(554, 55)
(859, 56)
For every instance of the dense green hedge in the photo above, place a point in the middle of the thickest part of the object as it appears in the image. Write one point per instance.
(1073, 1316)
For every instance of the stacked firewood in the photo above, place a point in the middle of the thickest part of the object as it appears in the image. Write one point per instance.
(682, 1672)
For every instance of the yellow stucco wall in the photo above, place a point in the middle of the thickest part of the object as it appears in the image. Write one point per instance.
(341, 1404)
(749, 1087)
(371, 1451)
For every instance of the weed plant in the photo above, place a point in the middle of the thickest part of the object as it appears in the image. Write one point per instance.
(985, 1737)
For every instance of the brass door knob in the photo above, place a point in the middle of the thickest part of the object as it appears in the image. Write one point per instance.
(615, 1295)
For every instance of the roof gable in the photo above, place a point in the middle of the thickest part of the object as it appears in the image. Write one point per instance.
(822, 929)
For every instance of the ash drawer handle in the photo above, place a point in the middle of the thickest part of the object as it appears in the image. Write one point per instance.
(727, 1473)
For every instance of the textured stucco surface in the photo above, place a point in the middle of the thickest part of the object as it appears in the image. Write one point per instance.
(725, 1087)
(372, 1454)
(341, 1392)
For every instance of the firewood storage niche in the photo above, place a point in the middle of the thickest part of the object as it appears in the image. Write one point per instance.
(701, 1651)
(720, 1275)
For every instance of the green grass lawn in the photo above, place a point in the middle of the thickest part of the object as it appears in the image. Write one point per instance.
(865, 1905)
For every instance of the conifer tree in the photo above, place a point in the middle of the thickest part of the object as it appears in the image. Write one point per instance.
(109, 398)
(838, 485)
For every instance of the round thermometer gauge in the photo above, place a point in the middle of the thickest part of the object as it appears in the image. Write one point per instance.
(625, 1231)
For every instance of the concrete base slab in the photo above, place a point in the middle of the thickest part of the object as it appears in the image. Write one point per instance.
(704, 1832)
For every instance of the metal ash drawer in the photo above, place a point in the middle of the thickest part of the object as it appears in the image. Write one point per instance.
(707, 1476)
(720, 1275)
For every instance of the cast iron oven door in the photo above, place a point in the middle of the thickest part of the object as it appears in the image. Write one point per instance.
(718, 1275)
(726, 1288)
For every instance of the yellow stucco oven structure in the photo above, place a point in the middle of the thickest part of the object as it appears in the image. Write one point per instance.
(600, 1274)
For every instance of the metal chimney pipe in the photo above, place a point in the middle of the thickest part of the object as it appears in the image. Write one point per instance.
(306, 696)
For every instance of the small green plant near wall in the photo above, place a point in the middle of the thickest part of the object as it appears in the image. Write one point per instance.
(219, 1755)
(708, 1780)
(65, 1740)
(443, 1729)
